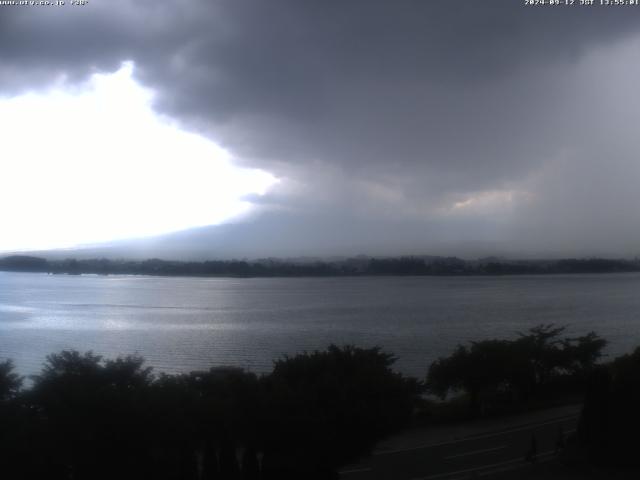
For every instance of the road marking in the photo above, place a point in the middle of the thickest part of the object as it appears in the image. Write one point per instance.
(483, 467)
(475, 437)
(485, 450)
(355, 470)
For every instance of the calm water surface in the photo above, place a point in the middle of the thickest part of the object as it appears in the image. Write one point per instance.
(182, 324)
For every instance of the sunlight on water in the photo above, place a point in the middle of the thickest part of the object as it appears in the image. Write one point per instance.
(182, 324)
(15, 309)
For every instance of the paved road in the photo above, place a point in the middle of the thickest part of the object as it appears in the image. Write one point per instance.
(460, 459)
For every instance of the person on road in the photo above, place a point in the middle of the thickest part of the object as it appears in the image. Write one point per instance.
(560, 440)
(532, 453)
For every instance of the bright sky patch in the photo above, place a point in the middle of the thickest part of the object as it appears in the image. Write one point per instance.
(98, 164)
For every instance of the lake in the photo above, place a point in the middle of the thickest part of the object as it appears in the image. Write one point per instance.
(183, 324)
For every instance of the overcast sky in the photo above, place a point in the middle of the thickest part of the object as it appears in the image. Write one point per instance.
(379, 127)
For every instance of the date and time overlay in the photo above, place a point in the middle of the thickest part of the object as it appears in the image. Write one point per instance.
(582, 3)
(43, 3)
(527, 3)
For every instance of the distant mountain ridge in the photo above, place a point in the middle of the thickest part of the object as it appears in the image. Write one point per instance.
(285, 234)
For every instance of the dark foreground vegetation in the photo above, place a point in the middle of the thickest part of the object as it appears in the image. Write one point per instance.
(542, 367)
(424, 265)
(84, 417)
(497, 375)
(89, 418)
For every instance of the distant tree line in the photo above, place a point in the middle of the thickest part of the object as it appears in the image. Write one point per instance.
(317, 268)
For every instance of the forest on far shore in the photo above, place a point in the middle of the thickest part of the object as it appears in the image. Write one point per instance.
(355, 266)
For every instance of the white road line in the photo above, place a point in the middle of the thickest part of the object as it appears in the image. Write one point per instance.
(548, 456)
(355, 470)
(475, 437)
(513, 461)
(485, 450)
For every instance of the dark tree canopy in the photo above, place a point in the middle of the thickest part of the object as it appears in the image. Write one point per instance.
(610, 420)
(347, 397)
(86, 417)
(519, 367)
(10, 382)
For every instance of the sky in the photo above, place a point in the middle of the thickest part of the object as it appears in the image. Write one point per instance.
(307, 127)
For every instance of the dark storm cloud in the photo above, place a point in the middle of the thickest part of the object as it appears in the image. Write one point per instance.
(385, 109)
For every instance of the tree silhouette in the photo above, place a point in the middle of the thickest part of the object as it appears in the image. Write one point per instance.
(328, 407)
(10, 382)
(483, 369)
(515, 369)
(93, 415)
